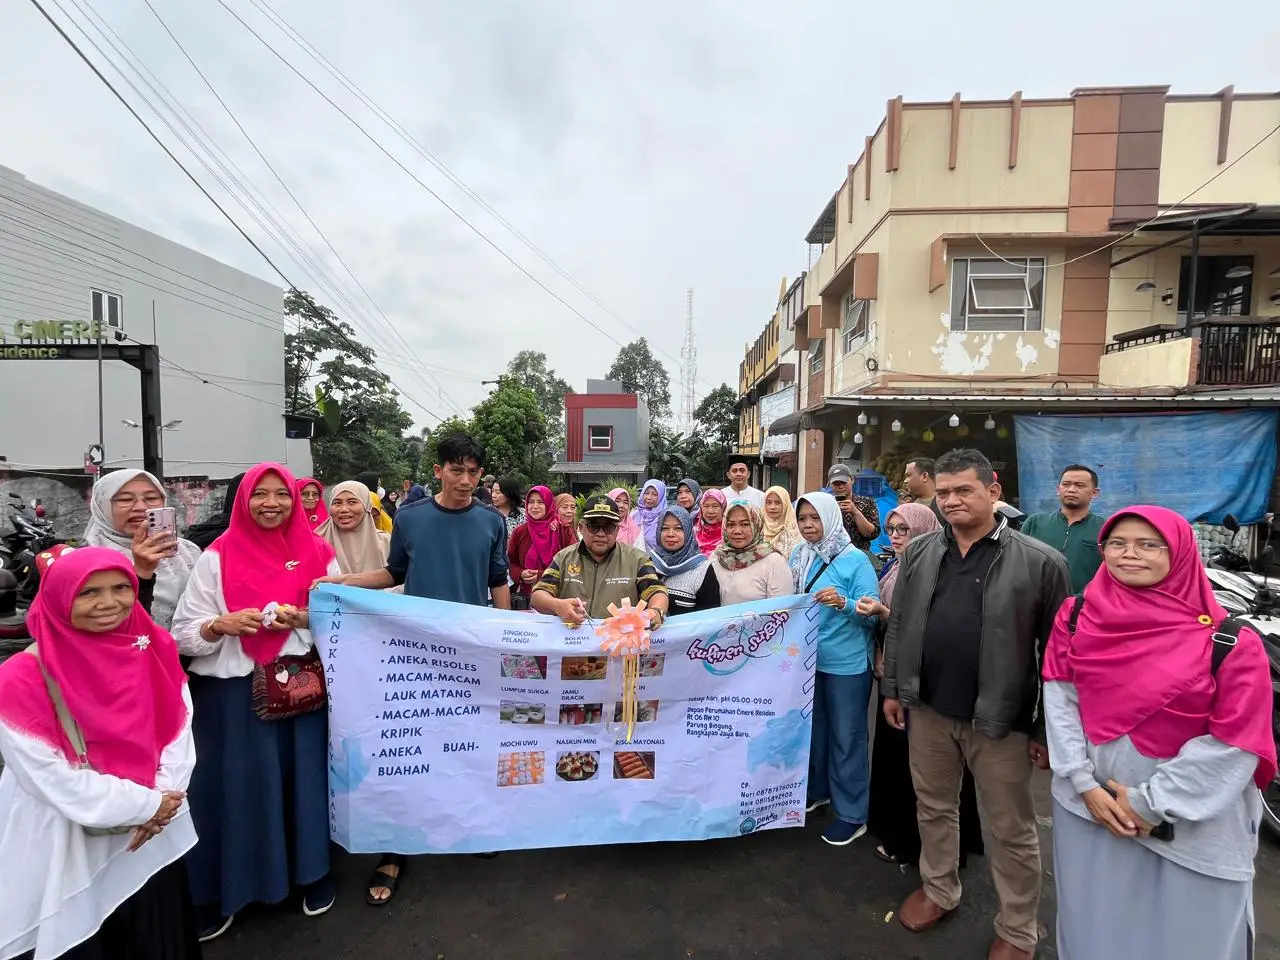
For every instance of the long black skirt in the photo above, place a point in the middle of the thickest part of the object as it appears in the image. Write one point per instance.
(156, 923)
(892, 812)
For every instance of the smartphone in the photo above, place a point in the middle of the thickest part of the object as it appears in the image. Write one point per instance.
(840, 497)
(162, 520)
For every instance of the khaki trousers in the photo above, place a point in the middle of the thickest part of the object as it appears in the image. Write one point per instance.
(940, 748)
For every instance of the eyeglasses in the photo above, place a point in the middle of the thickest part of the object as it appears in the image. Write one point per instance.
(601, 526)
(129, 500)
(901, 528)
(1146, 549)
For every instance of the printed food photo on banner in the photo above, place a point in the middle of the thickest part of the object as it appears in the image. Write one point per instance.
(633, 766)
(584, 668)
(519, 769)
(518, 666)
(511, 711)
(578, 766)
(651, 664)
(578, 714)
(646, 711)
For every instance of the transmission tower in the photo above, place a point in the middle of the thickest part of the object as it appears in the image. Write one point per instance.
(688, 367)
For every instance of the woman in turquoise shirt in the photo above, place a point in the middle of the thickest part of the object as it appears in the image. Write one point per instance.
(837, 573)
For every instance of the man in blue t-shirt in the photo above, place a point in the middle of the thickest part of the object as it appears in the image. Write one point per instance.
(446, 547)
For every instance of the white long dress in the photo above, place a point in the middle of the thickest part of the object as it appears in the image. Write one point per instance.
(58, 883)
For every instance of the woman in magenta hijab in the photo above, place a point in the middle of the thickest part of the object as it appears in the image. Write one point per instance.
(1156, 754)
(95, 730)
(259, 795)
(536, 541)
(311, 499)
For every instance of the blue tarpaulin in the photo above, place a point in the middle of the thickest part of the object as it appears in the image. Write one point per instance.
(1203, 465)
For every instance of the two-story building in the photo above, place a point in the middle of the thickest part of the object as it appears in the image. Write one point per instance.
(767, 392)
(606, 435)
(1115, 250)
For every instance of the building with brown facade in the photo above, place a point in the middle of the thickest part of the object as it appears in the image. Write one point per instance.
(1115, 250)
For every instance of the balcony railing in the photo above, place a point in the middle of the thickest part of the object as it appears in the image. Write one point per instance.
(1232, 351)
(1239, 351)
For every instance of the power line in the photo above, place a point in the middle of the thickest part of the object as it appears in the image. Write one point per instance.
(444, 203)
(292, 196)
(276, 226)
(399, 129)
(306, 299)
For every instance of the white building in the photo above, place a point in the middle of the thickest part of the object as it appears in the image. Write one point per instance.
(219, 332)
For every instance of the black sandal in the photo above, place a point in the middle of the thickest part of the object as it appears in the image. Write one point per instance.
(883, 854)
(381, 880)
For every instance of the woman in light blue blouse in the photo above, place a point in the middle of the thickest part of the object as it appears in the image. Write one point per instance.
(838, 574)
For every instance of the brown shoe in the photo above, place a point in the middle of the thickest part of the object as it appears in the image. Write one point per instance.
(918, 913)
(1004, 950)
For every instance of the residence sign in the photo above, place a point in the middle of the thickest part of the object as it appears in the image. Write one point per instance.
(39, 339)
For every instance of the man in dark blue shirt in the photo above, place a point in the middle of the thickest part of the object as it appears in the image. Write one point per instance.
(446, 547)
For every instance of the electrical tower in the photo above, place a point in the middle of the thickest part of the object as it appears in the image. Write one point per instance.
(688, 368)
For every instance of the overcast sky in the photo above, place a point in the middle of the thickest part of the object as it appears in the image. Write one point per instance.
(645, 148)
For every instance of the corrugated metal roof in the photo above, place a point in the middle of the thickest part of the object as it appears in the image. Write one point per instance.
(597, 466)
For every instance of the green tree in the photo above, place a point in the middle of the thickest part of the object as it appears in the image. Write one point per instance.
(513, 428)
(640, 372)
(670, 454)
(330, 375)
(717, 415)
(529, 368)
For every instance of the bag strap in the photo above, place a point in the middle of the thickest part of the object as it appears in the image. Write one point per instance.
(1224, 641)
(70, 728)
(1075, 614)
(814, 579)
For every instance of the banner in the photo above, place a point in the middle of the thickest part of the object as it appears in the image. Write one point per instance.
(459, 729)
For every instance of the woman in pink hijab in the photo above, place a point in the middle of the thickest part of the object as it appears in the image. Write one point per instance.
(1158, 710)
(95, 730)
(261, 788)
(311, 499)
(629, 531)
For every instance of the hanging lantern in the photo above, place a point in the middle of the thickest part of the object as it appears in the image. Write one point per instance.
(927, 436)
(896, 426)
(989, 423)
(963, 430)
(1002, 432)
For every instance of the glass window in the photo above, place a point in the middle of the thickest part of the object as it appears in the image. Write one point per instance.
(989, 294)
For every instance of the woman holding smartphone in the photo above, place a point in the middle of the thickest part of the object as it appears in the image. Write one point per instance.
(127, 514)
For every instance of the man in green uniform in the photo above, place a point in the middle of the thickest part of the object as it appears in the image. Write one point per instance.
(582, 580)
(1072, 529)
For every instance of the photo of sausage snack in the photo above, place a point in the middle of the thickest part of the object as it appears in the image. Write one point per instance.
(584, 668)
(633, 765)
(578, 766)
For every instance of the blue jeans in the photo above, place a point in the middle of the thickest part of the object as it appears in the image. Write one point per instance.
(838, 751)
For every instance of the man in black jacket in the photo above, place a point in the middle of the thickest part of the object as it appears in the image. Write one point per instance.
(972, 611)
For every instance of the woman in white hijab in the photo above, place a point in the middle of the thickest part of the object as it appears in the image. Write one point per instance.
(118, 519)
(360, 546)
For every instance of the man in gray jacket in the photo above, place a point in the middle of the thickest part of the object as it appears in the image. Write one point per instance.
(972, 610)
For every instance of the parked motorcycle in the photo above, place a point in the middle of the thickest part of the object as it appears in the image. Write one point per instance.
(1245, 591)
(32, 532)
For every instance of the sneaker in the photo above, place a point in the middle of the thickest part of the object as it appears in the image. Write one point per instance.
(840, 832)
(318, 897)
(817, 805)
(215, 929)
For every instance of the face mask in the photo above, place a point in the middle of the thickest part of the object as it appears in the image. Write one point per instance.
(382, 492)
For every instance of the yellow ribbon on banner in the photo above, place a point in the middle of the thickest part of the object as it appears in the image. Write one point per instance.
(625, 635)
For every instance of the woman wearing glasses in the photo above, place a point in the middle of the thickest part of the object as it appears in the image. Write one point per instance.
(118, 521)
(1159, 728)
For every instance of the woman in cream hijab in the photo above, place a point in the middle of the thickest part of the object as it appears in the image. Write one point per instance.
(780, 528)
(118, 509)
(350, 529)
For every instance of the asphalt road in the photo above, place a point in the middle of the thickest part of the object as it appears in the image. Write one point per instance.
(782, 894)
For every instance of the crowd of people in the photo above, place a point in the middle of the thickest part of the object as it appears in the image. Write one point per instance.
(156, 783)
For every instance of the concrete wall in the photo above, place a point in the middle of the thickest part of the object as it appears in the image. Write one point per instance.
(1150, 365)
(626, 439)
(1190, 152)
(220, 333)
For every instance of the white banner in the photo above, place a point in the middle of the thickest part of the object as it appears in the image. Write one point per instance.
(458, 729)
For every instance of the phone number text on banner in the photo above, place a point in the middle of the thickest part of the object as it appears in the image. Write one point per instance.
(457, 729)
